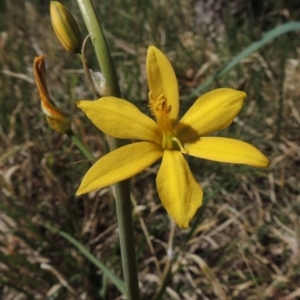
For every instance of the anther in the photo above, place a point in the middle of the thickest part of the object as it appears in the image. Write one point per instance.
(163, 104)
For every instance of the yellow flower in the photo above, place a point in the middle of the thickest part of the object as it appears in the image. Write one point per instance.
(55, 117)
(167, 138)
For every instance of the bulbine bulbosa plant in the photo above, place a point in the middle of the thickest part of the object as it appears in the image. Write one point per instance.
(137, 141)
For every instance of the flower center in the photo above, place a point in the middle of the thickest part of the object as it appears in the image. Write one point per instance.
(161, 109)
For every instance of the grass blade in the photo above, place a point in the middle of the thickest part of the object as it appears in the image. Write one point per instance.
(269, 36)
(113, 278)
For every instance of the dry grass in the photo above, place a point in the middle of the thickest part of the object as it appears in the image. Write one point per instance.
(244, 244)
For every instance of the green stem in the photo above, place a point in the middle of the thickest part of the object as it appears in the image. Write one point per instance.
(121, 189)
(100, 46)
(81, 146)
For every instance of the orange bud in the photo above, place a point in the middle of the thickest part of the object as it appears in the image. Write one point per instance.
(65, 27)
(55, 117)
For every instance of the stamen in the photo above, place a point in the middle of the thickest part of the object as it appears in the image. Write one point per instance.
(161, 109)
(159, 105)
(162, 104)
(176, 140)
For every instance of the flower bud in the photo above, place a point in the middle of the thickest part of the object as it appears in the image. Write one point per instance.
(55, 117)
(65, 27)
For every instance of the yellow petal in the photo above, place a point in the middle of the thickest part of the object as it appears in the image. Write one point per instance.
(121, 119)
(179, 192)
(119, 165)
(212, 111)
(162, 80)
(227, 150)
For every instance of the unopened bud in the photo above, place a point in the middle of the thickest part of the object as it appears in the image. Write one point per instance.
(55, 117)
(65, 27)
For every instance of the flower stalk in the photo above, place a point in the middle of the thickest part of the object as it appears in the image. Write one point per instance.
(121, 189)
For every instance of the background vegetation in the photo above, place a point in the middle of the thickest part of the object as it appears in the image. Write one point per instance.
(244, 245)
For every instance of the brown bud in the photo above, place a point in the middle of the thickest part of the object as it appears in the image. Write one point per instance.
(55, 117)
